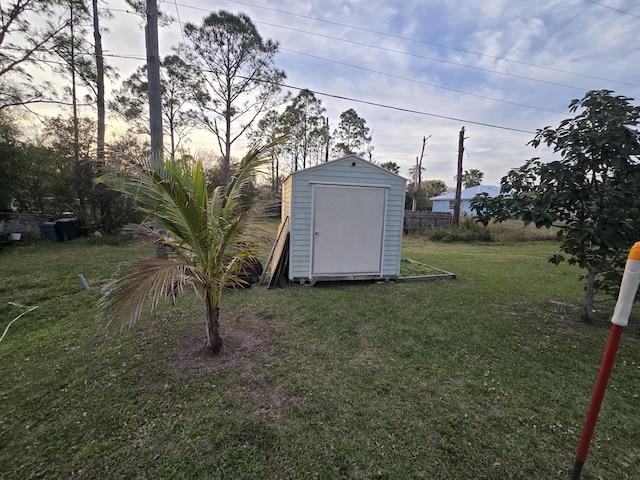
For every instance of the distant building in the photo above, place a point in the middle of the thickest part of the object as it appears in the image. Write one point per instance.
(446, 202)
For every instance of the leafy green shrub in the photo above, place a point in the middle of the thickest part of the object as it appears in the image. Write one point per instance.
(511, 231)
(468, 231)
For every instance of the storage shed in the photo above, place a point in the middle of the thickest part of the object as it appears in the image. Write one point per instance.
(341, 220)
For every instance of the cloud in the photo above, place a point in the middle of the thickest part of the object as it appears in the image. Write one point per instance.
(496, 49)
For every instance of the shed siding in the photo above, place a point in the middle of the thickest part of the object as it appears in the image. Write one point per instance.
(341, 172)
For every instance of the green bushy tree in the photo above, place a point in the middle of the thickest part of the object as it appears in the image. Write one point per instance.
(590, 193)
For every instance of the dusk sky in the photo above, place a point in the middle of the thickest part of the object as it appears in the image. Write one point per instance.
(500, 68)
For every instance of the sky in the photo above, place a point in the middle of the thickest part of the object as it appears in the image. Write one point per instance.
(426, 68)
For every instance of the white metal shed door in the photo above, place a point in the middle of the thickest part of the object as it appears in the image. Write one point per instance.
(348, 227)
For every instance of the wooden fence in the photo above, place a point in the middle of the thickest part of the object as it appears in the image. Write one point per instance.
(418, 220)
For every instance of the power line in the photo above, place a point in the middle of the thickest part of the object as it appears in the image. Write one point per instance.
(433, 44)
(407, 110)
(130, 57)
(610, 8)
(424, 57)
(513, 75)
(179, 21)
(381, 105)
(422, 82)
(391, 107)
(416, 56)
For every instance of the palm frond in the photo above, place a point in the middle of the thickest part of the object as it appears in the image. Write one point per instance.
(173, 194)
(227, 216)
(151, 280)
(207, 234)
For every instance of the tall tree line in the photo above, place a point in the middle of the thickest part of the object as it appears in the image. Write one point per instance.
(41, 38)
(222, 78)
(307, 139)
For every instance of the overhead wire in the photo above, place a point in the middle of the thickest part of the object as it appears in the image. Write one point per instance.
(418, 112)
(407, 110)
(179, 21)
(381, 105)
(435, 59)
(424, 57)
(433, 44)
(407, 54)
(377, 104)
(399, 77)
(610, 8)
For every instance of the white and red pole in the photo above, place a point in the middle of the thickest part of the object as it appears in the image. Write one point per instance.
(620, 319)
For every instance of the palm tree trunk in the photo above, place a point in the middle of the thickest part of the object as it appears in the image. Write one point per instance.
(212, 315)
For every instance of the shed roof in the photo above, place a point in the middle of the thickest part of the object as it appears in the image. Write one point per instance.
(349, 158)
(469, 193)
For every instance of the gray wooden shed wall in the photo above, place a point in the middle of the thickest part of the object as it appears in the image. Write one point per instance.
(297, 205)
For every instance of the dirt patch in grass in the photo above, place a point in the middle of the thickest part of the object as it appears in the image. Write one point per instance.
(279, 401)
(192, 355)
(249, 352)
(368, 354)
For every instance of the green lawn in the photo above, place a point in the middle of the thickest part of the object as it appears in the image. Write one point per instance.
(488, 376)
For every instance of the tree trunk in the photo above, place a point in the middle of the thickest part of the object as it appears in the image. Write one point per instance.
(105, 197)
(79, 171)
(212, 315)
(172, 137)
(589, 293)
(227, 138)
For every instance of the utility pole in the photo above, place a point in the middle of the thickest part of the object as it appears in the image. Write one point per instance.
(155, 101)
(327, 138)
(97, 39)
(416, 186)
(106, 218)
(418, 176)
(456, 205)
(153, 75)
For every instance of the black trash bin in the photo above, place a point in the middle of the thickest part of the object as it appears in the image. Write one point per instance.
(67, 229)
(48, 231)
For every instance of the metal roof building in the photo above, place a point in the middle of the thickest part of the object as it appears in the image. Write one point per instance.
(445, 202)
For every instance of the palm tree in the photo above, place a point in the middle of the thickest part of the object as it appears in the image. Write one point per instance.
(391, 166)
(472, 178)
(208, 238)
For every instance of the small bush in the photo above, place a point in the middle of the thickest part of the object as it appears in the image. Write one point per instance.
(517, 231)
(468, 231)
